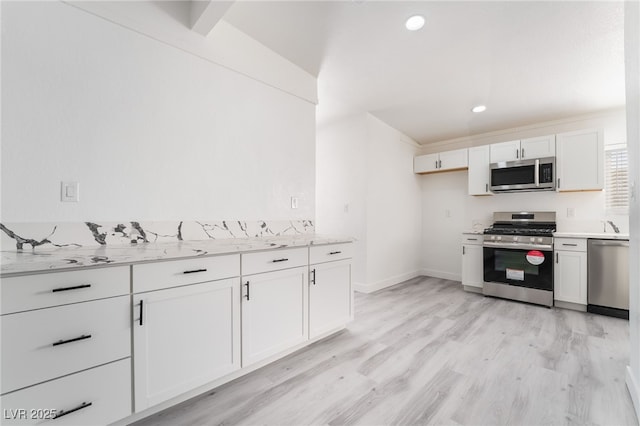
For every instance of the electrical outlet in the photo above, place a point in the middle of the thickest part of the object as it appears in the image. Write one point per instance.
(294, 202)
(447, 213)
(571, 212)
(346, 208)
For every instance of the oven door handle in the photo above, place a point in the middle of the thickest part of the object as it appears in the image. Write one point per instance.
(545, 247)
(536, 173)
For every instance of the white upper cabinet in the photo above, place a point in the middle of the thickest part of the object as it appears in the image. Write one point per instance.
(580, 160)
(538, 147)
(479, 172)
(505, 151)
(426, 163)
(531, 148)
(444, 161)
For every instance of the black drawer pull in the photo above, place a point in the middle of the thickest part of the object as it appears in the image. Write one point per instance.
(571, 245)
(247, 284)
(77, 287)
(195, 271)
(62, 413)
(141, 313)
(64, 342)
(335, 252)
(279, 260)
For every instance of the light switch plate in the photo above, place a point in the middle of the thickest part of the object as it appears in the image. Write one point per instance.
(69, 192)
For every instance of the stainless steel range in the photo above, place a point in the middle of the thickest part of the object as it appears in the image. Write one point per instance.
(518, 257)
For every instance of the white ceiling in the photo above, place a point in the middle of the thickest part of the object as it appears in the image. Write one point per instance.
(527, 61)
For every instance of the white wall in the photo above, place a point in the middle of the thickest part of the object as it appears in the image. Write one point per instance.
(632, 65)
(151, 132)
(366, 188)
(447, 191)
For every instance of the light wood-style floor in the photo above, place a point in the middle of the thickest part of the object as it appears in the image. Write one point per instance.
(426, 352)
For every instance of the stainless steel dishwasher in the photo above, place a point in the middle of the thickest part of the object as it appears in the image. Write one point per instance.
(608, 277)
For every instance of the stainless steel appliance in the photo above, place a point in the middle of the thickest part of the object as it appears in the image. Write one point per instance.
(524, 175)
(518, 256)
(608, 277)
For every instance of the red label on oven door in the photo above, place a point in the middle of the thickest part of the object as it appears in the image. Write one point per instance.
(535, 257)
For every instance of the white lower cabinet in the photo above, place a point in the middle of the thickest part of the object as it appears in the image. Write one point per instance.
(97, 396)
(472, 262)
(274, 313)
(570, 272)
(184, 337)
(330, 296)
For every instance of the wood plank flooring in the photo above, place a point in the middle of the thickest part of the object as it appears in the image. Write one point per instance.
(426, 352)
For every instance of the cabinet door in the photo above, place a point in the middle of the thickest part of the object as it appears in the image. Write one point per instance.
(539, 147)
(425, 163)
(184, 337)
(452, 160)
(580, 160)
(330, 296)
(472, 266)
(274, 313)
(479, 171)
(570, 277)
(505, 151)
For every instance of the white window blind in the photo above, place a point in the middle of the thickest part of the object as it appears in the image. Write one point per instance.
(617, 181)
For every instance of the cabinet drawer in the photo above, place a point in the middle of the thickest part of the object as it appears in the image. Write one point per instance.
(570, 244)
(48, 343)
(98, 396)
(60, 288)
(319, 254)
(472, 239)
(273, 260)
(159, 275)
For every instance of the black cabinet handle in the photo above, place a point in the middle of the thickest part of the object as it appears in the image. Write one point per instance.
(570, 245)
(247, 284)
(558, 183)
(279, 260)
(335, 252)
(76, 287)
(463, 250)
(557, 258)
(141, 312)
(195, 271)
(62, 413)
(64, 342)
(313, 280)
(486, 187)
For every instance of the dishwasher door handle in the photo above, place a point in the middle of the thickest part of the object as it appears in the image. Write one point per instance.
(610, 243)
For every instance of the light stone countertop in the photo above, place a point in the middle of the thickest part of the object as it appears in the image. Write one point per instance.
(599, 235)
(60, 259)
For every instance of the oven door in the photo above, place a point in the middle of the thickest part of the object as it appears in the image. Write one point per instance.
(519, 265)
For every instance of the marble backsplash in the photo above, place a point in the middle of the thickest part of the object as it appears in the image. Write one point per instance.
(21, 236)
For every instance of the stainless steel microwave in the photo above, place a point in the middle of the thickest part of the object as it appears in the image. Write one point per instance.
(524, 175)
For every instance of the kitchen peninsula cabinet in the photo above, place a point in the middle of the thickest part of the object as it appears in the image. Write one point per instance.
(275, 302)
(187, 334)
(330, 288)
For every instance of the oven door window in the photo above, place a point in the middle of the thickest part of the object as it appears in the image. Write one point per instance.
(519, 267)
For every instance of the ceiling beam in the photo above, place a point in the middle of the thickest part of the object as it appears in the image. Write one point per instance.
(205, 14)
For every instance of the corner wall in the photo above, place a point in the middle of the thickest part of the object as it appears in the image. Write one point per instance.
(367, 189)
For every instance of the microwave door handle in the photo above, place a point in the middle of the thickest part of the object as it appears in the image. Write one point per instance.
(536, 172)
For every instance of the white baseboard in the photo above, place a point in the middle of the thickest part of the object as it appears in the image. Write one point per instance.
(379, 285)
(441, 274)
(632, 386)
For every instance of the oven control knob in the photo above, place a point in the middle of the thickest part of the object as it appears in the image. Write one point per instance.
(515, 238)
(533, 240)
(539, 240)
(498, 237)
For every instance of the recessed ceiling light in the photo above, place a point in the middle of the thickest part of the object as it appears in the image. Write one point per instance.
(415, 22)
(479, 108)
